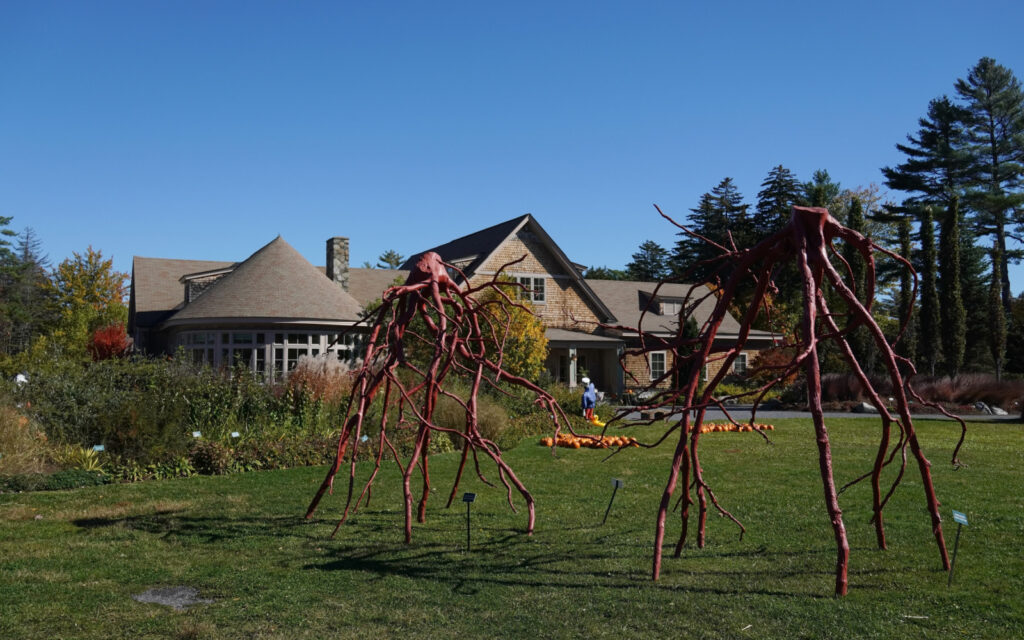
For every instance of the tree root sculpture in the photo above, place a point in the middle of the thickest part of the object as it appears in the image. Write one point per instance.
(464, 332)
(808, 241)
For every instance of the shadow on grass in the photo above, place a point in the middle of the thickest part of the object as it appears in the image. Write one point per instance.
(177, 524)
(503, 557)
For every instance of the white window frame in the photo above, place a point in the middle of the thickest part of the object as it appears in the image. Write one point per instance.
(671, 307)
(534, 287)
(738, 368)
(655, 374)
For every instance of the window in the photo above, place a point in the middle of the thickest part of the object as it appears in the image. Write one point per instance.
(739, 365)
(671, 307)
(657, 364)
(533, 289)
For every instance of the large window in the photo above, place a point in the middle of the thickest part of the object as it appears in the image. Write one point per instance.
(272, 354)
(739, 365)
(533, 289)
(657, 364)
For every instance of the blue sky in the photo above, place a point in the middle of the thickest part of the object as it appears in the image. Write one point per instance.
(204, 129)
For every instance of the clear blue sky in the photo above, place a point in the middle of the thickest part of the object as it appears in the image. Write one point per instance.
(204, 129)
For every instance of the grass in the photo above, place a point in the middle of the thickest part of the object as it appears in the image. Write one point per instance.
(70, 561)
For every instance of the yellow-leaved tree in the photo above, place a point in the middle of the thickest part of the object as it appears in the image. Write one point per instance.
(525, 347)
(90, 295)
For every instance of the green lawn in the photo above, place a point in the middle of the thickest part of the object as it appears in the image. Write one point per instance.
(242, 541)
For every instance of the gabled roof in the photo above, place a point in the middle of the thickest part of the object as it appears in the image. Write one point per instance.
(472, 251)
(628, 299)
(156, 287)
(276, 282)
(368, 285)
(475, 247)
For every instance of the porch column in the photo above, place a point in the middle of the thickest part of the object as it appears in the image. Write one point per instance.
(620, 373)
(572, 367)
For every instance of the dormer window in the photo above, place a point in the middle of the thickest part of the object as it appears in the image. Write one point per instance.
(671, 307)
(533, 289)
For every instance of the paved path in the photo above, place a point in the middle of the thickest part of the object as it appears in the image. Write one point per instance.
(741, 413)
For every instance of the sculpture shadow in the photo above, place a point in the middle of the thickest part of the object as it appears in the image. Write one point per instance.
(499, 555)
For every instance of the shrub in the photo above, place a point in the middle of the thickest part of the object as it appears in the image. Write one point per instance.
(492, 420)
(964, 390)
(323, 378)
(76, 457)
(23, 445)
(61, 480)
(209, 458)
(109, 342)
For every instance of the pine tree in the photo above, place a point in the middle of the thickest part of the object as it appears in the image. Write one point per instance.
(650, 263)
(821, 191)
(705, 219)
(995, 133)
(605, 273)
(859, 339)
(8, 266)
(953, 313)
(929, 347)
(907, 346)
(720, 214)
(937, 161)
(779, 192)
(997, 318)
(30, 304)
(390, 259)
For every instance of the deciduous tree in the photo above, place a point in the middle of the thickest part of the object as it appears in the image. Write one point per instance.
(90, 294)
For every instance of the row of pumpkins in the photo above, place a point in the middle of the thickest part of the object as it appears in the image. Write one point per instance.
(713, 427)
(589, 441)
(599, 442)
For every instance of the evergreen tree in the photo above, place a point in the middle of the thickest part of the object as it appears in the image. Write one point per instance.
(937, 160)
(953, 313)
(907, 346)
(1015, 338)
(720, 214)
(605, 273)
(8, 265)
(821, 191)
(859, 339)
(994, 104)
(650, 263)
(390, 259)
(929, 345)
(779, 192)
(997, 319)
(29, 302)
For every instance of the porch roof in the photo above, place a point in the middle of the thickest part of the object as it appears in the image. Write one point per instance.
(569, 338)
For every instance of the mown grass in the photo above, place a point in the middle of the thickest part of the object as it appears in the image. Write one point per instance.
(241, 540)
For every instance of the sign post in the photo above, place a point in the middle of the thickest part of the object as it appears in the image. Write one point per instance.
(468, 498)
(961, 521)
(617, 484)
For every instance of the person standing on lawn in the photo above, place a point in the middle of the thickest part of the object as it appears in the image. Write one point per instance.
(589, 399)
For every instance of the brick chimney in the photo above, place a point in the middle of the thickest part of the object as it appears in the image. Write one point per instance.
(337, 261)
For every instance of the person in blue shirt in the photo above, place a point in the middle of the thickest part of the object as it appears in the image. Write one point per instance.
(589, 399)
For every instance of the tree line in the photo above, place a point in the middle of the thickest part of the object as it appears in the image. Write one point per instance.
(56, 311)
(958, 219)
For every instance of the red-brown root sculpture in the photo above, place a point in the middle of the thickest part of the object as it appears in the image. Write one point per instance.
(460, 324)
(807, 240)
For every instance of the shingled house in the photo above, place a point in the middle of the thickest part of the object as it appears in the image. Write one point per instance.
(264, 312)
(554, 286)
(579, 312)
(275, 306)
